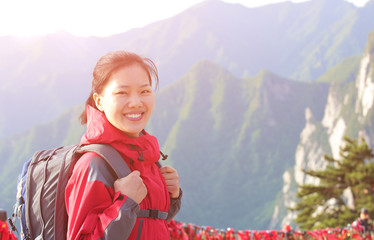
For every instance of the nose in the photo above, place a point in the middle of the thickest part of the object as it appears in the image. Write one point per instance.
(134, 101)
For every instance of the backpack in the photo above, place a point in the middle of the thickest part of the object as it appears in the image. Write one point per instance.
(40, 202)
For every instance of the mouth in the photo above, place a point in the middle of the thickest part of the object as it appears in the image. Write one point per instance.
(134, 116)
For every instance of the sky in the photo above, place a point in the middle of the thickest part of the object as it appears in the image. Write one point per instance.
(96, 17)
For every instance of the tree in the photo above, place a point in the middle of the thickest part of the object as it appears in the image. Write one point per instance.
(324, 205)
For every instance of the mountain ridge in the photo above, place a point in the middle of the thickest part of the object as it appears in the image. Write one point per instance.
(292, 40)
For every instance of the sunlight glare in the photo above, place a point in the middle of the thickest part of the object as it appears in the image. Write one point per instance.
(95, 17)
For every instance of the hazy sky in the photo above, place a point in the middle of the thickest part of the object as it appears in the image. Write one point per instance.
(95, 17)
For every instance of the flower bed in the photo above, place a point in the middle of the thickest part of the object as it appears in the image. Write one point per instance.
(183, 231)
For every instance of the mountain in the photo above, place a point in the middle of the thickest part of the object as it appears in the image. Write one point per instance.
(42, 76)
(230, 138)
(232, 129)
(349, 112)
(298, 41)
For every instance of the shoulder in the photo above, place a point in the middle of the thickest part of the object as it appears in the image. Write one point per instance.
(94, 168)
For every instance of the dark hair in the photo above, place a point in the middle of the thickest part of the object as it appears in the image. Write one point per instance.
(109, 64)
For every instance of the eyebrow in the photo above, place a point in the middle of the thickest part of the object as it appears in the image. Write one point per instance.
(127, 86)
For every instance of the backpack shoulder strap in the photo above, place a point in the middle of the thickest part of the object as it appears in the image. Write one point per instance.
(110, 155)
(120, 168)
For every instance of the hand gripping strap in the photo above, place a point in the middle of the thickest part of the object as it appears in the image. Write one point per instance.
(120, 168)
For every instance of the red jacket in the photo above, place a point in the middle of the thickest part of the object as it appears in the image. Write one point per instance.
(97, 212)
(5, 233)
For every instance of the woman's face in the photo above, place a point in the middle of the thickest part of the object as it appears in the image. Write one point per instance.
(127, 99)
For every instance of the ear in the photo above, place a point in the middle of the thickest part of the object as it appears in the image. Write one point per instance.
(98, 101)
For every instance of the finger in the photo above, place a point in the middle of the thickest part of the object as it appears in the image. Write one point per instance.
(174, 191)
(167, 173)
(144, 186)
(170, 176)
(135, 173)
(167, 169)
(171, 183)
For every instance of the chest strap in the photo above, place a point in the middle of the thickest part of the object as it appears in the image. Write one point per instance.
(152, 213)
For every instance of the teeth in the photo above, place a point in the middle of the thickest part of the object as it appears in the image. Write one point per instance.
(133, 115)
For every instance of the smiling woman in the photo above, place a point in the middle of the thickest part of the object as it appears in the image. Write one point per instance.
(117, 110)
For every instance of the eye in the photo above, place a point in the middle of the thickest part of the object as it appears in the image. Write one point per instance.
(146, 91)
(120, 93)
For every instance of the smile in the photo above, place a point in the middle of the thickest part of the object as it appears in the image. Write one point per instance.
(134, 116)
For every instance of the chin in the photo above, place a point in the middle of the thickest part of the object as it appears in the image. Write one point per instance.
(132, 133)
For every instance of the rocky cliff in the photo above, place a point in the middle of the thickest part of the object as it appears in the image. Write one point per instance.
(348, 112)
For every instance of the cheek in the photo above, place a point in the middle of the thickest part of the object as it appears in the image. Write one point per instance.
(112, 106)
(151, 103)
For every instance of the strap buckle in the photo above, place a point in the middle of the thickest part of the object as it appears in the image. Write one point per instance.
(153, 213)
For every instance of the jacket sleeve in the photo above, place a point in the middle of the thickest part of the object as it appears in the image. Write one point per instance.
(95, 211)
(175, 206)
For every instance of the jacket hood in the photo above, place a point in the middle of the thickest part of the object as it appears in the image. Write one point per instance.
(141, 150)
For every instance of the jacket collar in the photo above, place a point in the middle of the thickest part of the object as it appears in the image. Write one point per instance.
(100, 130)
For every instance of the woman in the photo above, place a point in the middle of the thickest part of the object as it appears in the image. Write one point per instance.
(137, 206)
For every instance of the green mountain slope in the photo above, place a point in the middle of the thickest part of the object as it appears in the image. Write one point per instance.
(345, 71)
(231, 139)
